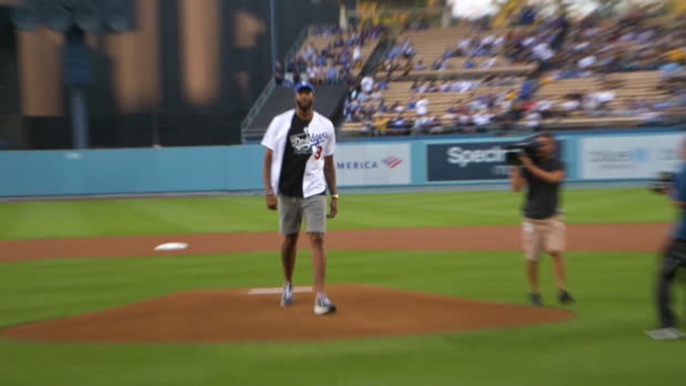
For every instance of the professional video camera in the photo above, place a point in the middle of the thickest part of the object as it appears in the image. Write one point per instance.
(662, 183)
(529, 146)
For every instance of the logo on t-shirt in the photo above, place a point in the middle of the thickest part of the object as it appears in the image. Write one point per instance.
(301, 144)
(306, 143)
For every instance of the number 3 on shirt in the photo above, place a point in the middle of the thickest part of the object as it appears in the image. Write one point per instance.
(318, 152)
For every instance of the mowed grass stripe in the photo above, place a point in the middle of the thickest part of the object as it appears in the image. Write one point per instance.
(357, 211)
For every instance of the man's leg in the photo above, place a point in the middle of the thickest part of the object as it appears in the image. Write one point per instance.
(556, 235)
(532, 275)
(314, 211)
(560, 270)
(289, 248)
(666, 274)
(290, 221)
(672, 259)
(664, 294)
(318, 261)
(531, 242)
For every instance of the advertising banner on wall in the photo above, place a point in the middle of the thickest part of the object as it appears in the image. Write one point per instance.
(466, 161)
(628, 157)
(476, 161)
(388, 164)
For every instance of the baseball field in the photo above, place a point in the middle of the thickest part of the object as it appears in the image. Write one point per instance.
(430, 287)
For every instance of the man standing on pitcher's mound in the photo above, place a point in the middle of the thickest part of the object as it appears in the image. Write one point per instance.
(298, 166)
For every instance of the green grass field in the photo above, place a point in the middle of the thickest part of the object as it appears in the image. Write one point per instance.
(603, 345)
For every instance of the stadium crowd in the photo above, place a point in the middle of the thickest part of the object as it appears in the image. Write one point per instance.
(332, 63)
(593, 50)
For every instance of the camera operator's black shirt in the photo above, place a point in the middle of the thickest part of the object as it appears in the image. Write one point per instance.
(542, 198)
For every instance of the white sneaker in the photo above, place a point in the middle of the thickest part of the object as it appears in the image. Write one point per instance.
(287, 295)
(323, 306)
(669, 333)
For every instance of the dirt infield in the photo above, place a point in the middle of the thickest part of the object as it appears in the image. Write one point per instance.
(236, 315)
(592, 237)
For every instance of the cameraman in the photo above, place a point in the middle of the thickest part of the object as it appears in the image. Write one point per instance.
(674, 256)
(544, 229)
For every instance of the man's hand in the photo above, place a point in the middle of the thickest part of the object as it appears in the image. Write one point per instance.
(271, 202)
(333, 208)
(525, 160)
(553, 177)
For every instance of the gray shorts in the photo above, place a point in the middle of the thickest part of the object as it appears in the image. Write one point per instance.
(292, 210)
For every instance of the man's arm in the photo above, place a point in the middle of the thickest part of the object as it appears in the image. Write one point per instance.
(267, 179)
(330, 176)
(517, 180)
(268, 141)
(677, 195)
(553, 177)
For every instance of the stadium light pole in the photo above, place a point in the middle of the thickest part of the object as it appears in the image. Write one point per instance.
(76, 76)
(343, 18)
(73, 19)
(272, 27)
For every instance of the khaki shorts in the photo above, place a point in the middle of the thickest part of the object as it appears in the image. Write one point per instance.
(546, 235)
(292, 210)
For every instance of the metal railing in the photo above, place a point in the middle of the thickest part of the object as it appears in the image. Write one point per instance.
(267, 91)
(257, 106)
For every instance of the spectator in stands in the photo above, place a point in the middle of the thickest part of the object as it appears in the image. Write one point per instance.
(528, 88)
(278, 73)
(423, 87)
(357, 56)
(377, 95)
(412, 104)
(544, 108)
(367, 125)
(380, 124)
(400, 123)
(533, 119)
(382, 107)
(422, 105)
(470, 63)
(331, 74)
(490, 62)
(367, 84)
(449, 118)
(417, 25)
(397, 108)
(409, 52)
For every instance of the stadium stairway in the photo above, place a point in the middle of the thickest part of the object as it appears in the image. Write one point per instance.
(328, 100)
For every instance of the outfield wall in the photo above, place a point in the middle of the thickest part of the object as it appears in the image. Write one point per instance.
(612, 157)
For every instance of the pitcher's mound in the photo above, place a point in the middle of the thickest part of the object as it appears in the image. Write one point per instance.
(248, 315)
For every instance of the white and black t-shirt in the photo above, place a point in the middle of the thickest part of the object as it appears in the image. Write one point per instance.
(298, 151)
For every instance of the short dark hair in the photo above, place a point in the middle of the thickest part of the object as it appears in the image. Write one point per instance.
(545, 134)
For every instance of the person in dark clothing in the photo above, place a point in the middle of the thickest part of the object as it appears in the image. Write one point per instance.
(544, 226)
(673, 258)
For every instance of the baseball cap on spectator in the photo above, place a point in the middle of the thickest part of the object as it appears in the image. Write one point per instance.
(304, 85)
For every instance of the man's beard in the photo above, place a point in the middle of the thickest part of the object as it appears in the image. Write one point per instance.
(304, 106)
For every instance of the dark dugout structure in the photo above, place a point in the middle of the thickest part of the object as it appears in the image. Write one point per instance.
(145, 72)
